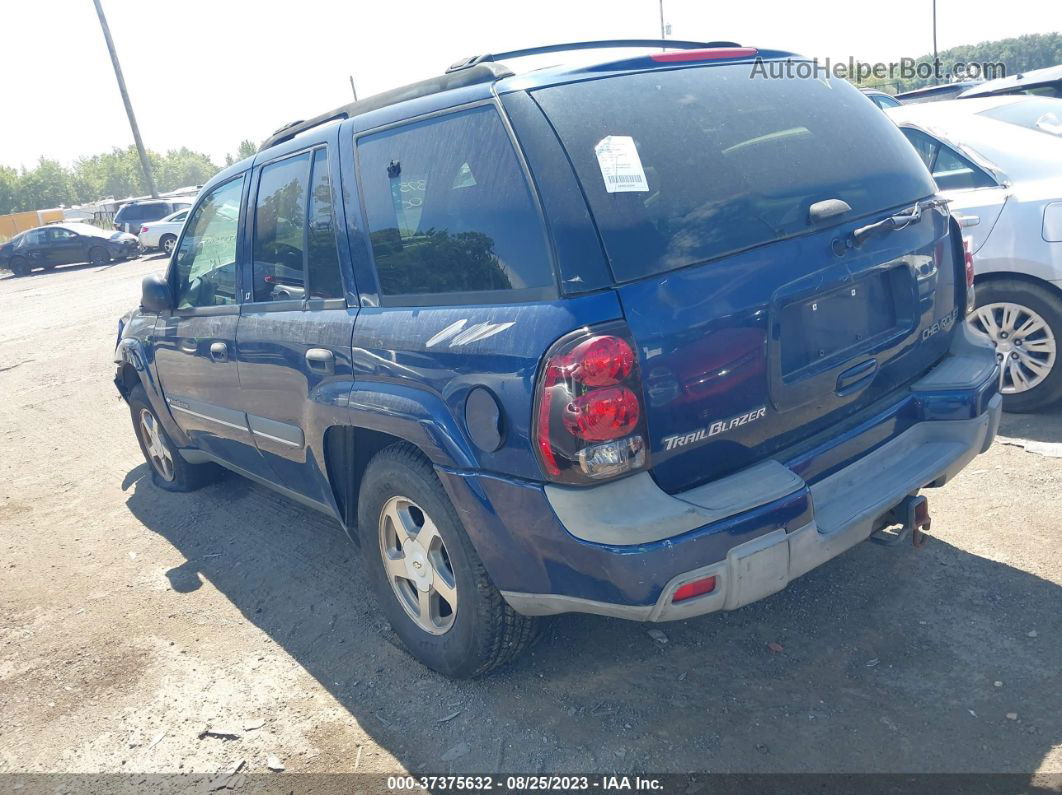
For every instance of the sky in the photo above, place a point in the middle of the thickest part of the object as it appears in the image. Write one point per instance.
(208, 73)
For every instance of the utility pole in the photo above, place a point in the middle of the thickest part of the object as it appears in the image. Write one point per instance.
(144, 163)
(662, 36)
(936, 61)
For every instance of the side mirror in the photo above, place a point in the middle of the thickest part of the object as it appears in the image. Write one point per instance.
(155, 293)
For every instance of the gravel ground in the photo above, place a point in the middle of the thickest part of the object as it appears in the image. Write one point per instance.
(131, 620)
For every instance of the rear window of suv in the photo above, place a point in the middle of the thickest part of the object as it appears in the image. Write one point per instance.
(142, 212)
(728, 161)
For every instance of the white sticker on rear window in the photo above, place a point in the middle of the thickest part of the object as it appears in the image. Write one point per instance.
(621, 168)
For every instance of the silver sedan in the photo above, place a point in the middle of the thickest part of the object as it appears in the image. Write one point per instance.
(998, 161)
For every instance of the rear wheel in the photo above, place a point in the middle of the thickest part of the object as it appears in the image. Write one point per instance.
(1024, 323)
(98, 256)
(169, 471)
(167, 243)
(20, 266)
(426, 575)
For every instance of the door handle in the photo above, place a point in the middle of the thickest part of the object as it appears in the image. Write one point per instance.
(967, 220)
(321, 360)
(856, 378)
(219, 352)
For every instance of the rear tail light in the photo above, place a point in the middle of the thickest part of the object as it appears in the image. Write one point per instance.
(143, 229)
(967, 250)
(589, 418)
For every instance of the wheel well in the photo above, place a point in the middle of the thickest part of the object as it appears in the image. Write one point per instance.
(999, 276)
(127, 379)
(348, 450)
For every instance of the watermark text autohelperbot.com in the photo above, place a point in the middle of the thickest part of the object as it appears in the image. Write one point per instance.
(858, 71)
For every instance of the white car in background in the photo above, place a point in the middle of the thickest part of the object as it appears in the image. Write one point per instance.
(163, 234)
(998, 161)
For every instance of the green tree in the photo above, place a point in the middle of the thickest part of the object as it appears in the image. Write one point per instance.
(8, 190)
(47, 185)
(247, 148)
(1020, 54)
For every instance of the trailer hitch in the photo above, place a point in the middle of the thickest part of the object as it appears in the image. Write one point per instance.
(913, 517)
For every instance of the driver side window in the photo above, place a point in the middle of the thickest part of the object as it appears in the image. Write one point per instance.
(206, 261)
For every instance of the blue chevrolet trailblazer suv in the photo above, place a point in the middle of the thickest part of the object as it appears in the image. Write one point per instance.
(647, 338)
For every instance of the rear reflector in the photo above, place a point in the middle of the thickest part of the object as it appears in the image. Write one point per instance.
(695, 588)
(713, 54)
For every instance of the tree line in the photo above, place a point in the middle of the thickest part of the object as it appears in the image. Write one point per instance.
(1019, 54)
(114, 174)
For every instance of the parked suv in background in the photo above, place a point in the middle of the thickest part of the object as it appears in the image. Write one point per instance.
(131, 216)
(645, 339)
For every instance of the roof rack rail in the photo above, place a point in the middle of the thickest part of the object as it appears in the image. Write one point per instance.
(482, 73)
(605, 44)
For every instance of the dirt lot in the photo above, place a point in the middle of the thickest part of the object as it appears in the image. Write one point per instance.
(132, 619)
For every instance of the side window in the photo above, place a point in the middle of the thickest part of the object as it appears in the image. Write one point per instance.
(279, 230)
(950, 170)
(205, 273)
(449, 210)
(322, 257)
(925, 146)
(179, 217)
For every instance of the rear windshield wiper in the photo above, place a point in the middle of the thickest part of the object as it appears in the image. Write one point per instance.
(900, 220)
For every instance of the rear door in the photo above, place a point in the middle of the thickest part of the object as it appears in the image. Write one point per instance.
(757, 324)
(293, 340)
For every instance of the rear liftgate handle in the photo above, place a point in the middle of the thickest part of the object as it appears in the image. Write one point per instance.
(321, 361)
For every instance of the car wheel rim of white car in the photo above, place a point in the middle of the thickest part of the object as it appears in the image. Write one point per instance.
(1025, 344)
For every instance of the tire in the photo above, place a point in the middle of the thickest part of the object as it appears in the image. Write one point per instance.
(480, 632)
(1032, 359)
(20, 266)
(166, 244)
(179, 475)
(98, 256)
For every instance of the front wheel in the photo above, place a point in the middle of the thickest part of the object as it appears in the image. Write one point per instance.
(1024, 323)
(98, 256)
(20, 266)
(169, 470)
(167, 243)
(426, 575)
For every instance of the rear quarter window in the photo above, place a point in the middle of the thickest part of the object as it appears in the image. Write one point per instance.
(449, 213)
(730, 161)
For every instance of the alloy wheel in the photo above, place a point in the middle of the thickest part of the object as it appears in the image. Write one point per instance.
(157, 450)
(417, 565)
(1025, 344)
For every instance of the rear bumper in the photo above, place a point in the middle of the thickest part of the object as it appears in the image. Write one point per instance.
(623, 549)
